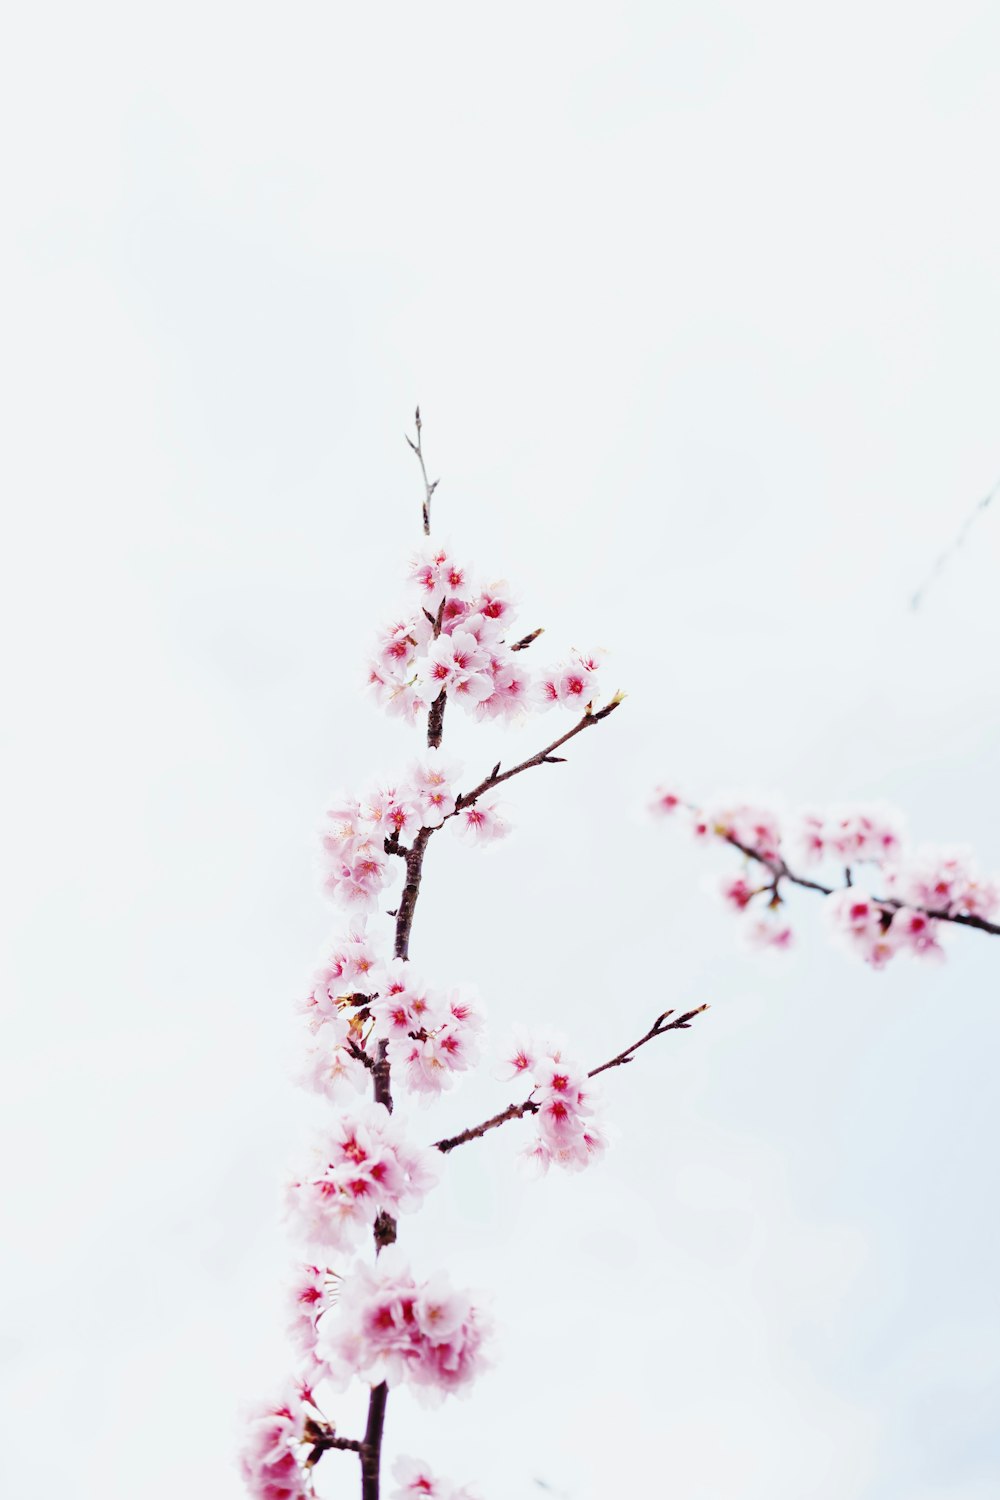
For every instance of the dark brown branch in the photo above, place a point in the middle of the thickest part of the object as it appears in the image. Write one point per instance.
(435, 720)
(411, 890)
(543, 757)
(429, 486)
(325, 1443)
(529, 1106)
(526, 640)
(371, 1449)
(659, 1028)
(781, 871)
(512, 1112)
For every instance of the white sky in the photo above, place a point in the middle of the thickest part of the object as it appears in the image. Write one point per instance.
(701, 306)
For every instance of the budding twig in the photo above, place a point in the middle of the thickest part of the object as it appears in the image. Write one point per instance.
(542, 757)
(529, 1106)
(429, 485)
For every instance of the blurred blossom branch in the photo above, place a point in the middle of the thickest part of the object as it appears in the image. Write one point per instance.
(917, 890)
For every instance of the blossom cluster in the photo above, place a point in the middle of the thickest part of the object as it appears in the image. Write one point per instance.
(431, 1034)
(389, 1326)
(311, 1294)
(916, 890)
(456, 639)
(271, 1461)
(358, 998)
(364, 1163)
(416, 1481)
(563, 1105)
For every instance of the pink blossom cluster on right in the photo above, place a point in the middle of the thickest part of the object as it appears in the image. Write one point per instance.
(564, 1105)
(882, 897)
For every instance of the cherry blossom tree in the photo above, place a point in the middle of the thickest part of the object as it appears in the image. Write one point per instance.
(377, 1034)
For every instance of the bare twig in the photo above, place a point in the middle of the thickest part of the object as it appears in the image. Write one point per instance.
(429, 485)
(543, 757)
(941, 562)
(529, 1106)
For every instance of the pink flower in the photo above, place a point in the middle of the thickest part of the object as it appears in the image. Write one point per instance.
(458, 664)
(665, 801)
(432, 780)
(572, 684)
(768, 932)
(270, 1460)
(388, 1326)
(917, 933)
(436, 575)
(403, 1003)
(366, 1163)
(482, 822)
(519, 1060)
(511, 692)
(330, 1067)
(863, 925)
(416, 1479)
(737, 891)
(567, 1134)
(310, 1294)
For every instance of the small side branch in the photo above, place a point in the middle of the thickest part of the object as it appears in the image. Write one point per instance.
(660, 1027)
(429, 485)
(543, 757)
(529, 1106)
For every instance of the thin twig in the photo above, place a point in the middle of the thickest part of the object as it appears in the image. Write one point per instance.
(945, 557)
(429, 485)
(543, 757)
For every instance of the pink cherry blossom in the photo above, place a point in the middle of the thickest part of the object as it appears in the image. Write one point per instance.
(666, 801)
(365, 1163)
(311, 1293)
(416, 1480)
(863, 925)
(458, 664)
(330, 1067)
(389, 1326)
(519, 1059)
(482, 823)
(433, 780)
(768, 932)
(737, 891)
(271, 1461)
(917, 933)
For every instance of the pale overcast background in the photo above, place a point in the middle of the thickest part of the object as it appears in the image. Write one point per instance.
(701, 305)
